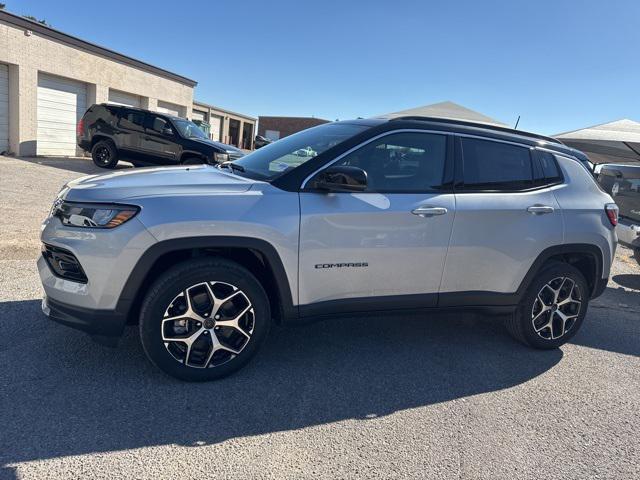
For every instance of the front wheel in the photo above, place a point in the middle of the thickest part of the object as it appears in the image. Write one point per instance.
(204, 319)
(553, 308)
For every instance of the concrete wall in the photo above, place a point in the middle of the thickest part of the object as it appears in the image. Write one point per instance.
(27, 55)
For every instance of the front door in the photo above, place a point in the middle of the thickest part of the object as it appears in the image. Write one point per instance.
(383, 248)
(159, 141)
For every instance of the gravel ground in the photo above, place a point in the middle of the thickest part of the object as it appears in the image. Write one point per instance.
(451, 397)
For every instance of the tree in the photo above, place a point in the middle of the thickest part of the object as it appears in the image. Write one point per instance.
(31, 17)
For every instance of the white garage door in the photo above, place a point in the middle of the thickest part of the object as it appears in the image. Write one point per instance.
(117, 97)
(4, 108)
(61, 103)
(198, 115)
(216, 123)
(169, 108)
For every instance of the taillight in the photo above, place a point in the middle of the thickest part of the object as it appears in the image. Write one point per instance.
(80, 128)
(612, 213)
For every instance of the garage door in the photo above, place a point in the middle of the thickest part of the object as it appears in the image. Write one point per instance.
(4, 108)
(169, 108)
(216, 124)
(61, 103)
(198, 115)
(117, 97)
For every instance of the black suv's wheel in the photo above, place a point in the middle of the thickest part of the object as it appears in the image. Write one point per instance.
(204, 319)
(553, 308)
(104, 154)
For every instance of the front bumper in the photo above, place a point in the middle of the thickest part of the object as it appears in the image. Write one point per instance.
(628, 233)
(105, 326)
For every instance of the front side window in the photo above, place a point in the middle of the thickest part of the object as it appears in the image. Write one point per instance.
(495, 166)
(401, 162)
(158, 124)
(189, 129)
(277, 158)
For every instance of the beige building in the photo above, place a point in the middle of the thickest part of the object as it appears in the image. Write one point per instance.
(226, 126)
(48, 79)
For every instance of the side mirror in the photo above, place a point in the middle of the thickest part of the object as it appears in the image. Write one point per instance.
(168, 131)
(341, 179)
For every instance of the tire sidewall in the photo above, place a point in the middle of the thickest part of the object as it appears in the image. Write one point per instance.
(112, 151)
(177, 279)
(526, 305)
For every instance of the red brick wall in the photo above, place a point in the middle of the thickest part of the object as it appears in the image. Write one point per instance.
(287, 125)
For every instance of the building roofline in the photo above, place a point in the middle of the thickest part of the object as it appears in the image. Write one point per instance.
(224, 110)
(302, 118)
(54, 34)
(593, 126)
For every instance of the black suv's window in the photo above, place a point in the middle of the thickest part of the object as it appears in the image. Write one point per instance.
(402, 162)
(489, 165)
(131, 119)
(157, 124)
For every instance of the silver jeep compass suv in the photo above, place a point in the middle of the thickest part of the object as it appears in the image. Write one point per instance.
(404, 215)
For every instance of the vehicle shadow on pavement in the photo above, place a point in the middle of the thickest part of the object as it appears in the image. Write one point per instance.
(64, 395)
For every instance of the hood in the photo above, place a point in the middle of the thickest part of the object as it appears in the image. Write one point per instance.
(223, 146)
(154, 181)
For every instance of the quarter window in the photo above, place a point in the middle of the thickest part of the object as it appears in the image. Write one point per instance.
(489, 165)
(549, 166)
(402, 162)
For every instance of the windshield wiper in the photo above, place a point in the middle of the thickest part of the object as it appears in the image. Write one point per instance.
(232, 166)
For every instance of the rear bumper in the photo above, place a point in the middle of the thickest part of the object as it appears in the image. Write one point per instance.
(628, 233)
(99, 323)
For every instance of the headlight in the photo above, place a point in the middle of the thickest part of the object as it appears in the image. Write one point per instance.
(93, 215)
(221, 157)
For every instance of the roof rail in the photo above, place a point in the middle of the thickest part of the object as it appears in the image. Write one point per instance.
(486, 126)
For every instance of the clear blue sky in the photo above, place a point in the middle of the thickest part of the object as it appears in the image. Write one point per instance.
(561, 65)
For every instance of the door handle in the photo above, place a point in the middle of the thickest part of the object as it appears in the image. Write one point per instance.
(540, 209)
(427, 211)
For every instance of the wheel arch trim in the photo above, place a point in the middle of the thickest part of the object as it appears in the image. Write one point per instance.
(148, 259)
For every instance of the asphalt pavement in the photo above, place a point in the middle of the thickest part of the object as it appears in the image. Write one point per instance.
(446, 396)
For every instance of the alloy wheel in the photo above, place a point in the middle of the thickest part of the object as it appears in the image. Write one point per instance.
(208, 324)
(103, 155)
(556, 308)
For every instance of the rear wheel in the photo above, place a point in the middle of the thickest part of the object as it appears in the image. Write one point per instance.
(104, 154)
(553, 308)
(204, 319)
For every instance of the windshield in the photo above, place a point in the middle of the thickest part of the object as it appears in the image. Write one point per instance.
(279, 157)
(189, 129)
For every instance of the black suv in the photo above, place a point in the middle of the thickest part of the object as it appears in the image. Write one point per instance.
(142, 137)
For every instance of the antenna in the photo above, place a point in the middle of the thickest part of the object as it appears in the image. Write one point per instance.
(517, 122)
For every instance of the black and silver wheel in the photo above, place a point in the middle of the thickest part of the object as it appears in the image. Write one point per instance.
(204, 319)
(553, 308)
(104, 154)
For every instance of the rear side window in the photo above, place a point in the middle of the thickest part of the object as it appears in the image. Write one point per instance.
(495, 166)
(549, 166)
(131, 119)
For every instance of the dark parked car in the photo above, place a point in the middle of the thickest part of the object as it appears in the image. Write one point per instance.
(262, 141)
(113, 132)
(622, 182)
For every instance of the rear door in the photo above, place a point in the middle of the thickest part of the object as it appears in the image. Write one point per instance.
(131, 130)
(385, 247)
(506, 215)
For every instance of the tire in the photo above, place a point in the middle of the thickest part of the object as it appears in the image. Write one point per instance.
(537, 322)
(236, 345)
(193, 161)
(104, 154)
